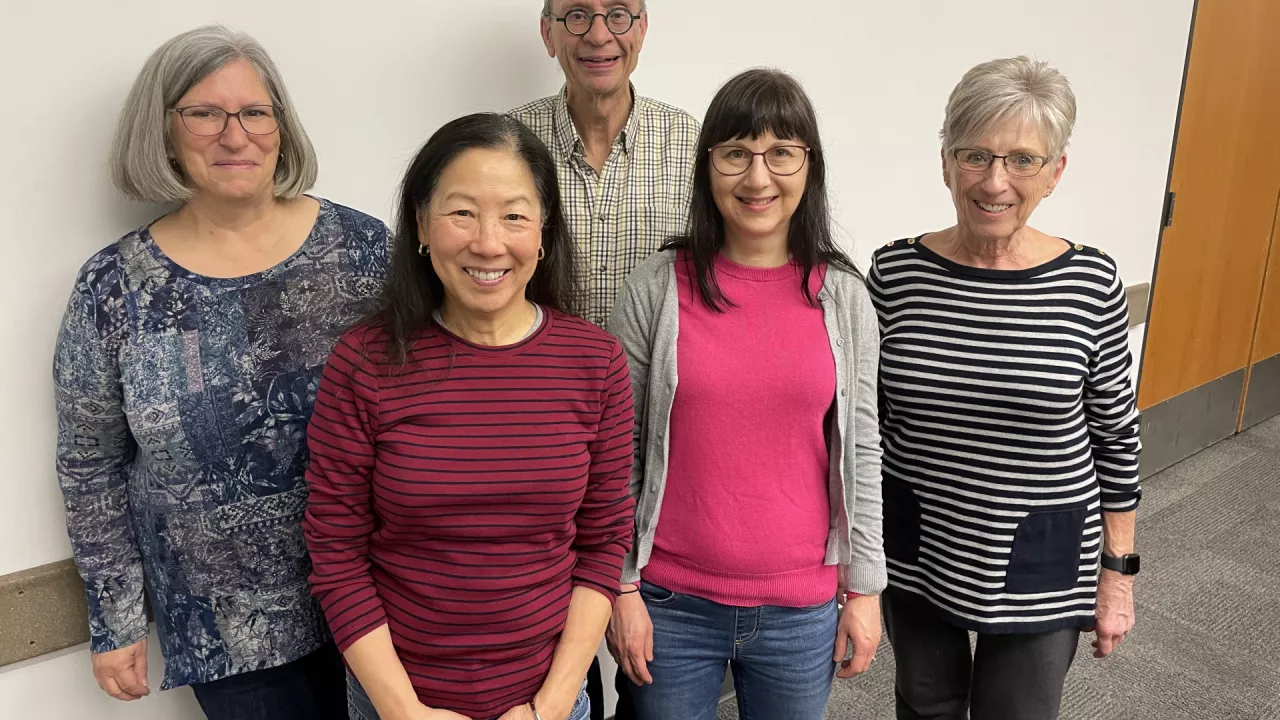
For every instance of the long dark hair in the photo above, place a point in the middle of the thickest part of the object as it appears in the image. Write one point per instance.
(750, 104)
(414, 290)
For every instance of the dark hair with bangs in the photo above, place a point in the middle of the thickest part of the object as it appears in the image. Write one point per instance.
(752, 103)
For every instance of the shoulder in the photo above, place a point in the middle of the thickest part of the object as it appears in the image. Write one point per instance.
(532, 111)
(583, 339)
(357, 225)
(892, 252)
(847, 286)
(653, 273)
(665, 114)
(107, 272)
(363, 344)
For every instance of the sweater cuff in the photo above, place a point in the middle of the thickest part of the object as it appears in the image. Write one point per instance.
(864, 578)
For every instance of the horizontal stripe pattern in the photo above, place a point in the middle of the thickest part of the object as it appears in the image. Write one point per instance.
(459, 498)
(1009, 425)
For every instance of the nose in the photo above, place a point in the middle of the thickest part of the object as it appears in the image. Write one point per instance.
(489, 240)
(996, 178)
(598, 33)
(757, 175)
(233, 135)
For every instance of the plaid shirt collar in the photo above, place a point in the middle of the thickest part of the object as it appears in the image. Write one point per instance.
(567, 133)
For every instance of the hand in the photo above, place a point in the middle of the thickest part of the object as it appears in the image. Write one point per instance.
(859, 625)
(122, 673)
(630, 637)
(1114, 616)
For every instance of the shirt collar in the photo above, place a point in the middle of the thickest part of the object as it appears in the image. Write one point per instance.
(567, 133)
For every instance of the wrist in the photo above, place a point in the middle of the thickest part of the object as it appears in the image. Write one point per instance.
(544, 706)
(1111, 576)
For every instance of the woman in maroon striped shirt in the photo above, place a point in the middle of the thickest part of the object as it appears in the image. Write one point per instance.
(470, 452)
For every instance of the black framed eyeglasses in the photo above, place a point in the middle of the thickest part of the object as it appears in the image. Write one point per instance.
(208, 120)
(1017, 164)
(781, 160)
(578, 21)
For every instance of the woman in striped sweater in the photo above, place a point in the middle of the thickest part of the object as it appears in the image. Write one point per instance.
(1007, 412)
(470, 452)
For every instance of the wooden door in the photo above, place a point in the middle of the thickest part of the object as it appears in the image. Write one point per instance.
(1213, 254)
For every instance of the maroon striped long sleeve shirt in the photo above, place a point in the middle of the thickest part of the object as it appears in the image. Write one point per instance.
(459, 498)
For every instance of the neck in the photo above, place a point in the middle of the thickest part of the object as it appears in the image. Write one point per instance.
(990, 253)
(214, 217)
(505, 327)
(599, 118)
(761, 251)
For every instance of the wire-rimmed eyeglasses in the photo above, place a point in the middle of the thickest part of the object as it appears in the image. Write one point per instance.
(781, 160)
(1017, 164)
(208, 120)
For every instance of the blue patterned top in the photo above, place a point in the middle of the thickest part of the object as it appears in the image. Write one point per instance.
(183, 403)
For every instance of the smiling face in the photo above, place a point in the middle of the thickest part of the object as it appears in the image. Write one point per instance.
(233, 165)
(598, 63)
(758, 203)
(993, 204)
(483, 226)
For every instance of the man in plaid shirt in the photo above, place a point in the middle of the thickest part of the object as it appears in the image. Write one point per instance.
(625, 161)
(625, 164)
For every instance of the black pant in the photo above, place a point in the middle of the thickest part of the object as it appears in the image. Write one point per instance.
(312, 688)
(1007, 677)
(595, 691)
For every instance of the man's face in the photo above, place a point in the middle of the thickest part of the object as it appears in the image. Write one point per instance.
(598, 62)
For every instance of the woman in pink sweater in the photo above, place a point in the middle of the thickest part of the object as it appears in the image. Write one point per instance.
(752, 346)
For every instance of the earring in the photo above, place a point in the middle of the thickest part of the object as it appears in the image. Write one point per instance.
(542, 252)
(1050, 192)
(423, 249)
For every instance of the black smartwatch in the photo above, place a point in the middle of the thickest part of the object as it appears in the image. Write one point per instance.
(1125, 564)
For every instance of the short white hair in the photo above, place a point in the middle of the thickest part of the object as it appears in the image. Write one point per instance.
(1010, 88)
(140, 153)
(546, 7)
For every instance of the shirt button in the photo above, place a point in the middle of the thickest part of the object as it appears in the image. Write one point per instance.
(603, 217)
(604, 268)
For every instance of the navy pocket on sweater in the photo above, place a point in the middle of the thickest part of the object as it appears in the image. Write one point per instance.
(901, 521)
(1046, 552)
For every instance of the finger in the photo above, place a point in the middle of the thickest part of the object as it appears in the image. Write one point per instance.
(140, 668)
(648, 644)
(112, 688)
(629, 669)
(127, 680)
(842, 645)
(1106, 643)
(641, 666)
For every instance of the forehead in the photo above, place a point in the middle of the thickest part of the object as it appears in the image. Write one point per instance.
(237, 78)
(765, 139)
(559, 7)
(481, 171)
(1013, 133)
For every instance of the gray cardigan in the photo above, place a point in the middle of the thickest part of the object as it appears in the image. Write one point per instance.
(646, 319)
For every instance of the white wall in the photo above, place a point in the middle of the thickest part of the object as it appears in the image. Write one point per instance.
(373, 79)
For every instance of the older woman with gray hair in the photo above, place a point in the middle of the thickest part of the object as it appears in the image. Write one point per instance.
(185, 374)
(1008, 421)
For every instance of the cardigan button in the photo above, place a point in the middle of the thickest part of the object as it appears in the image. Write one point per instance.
(839, 342)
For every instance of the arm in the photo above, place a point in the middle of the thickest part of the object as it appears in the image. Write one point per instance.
(339, 521)
(605, 526)
(630, 323)
(1113, 421)
(94, 451)
(865, 577)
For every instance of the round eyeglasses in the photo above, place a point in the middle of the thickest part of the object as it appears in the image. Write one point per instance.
(578, 21)
(207, 120)
(781, 160)
(1017, 164)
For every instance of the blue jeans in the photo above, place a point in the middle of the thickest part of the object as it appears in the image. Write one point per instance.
(781, 658)
(306, 689)
(360, 707)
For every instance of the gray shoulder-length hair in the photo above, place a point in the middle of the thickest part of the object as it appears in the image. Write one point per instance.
(1010, 87)
(140, 153)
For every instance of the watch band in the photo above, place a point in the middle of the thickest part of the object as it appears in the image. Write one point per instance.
(1127, 564)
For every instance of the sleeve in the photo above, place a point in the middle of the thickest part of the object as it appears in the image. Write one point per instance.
(339, 517)
(867, 574)
(629, 322)
(1110, 408)
(606, 519)
(94, 451)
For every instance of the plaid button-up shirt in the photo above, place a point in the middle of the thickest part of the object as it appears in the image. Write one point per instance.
(619, 216)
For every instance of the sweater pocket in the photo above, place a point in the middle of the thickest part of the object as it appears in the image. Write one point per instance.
(1046, 552)
(901, 521)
